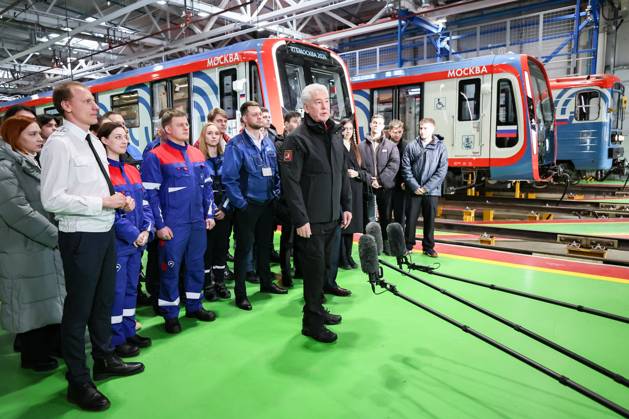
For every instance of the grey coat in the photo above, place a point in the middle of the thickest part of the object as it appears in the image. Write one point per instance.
(32, 287)
(425, 167)
(387, 161)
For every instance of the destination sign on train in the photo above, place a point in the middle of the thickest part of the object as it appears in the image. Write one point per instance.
(319, 55)
(468, 71)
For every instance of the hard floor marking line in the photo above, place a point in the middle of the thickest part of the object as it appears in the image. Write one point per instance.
(537, 268)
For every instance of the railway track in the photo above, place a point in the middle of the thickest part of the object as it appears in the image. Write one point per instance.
(578, 208)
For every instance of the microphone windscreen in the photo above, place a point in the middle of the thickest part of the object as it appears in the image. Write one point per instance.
(395, 233)
(368, 252)
(374, 230)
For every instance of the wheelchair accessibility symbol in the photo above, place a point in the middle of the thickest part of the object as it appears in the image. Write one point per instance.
(440, 103)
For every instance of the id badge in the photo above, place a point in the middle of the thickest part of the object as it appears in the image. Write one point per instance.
(266, 171)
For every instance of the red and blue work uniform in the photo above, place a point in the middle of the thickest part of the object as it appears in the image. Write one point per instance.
(252, 182)
(128, 226)
(179, 190)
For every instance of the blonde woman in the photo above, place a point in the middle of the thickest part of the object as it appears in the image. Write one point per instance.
(218, 238)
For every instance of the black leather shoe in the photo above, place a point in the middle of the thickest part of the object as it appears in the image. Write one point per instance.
(40, 365)
(222, 292)
(127, 350)
(338, 291)
(273, 289)
(113, 366)
(140, 341)
(230, 257)
(332, 319)
(203, 315)
(345, 266)
(87, 397)
(172, 326)
(352, 263)
(275, 256)
(244, 304)
(323, 335)
(252, 277)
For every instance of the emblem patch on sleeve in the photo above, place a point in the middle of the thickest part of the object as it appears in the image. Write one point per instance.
(288, 156)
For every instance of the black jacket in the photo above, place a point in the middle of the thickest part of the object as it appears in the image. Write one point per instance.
(314, 175)
(387, 160)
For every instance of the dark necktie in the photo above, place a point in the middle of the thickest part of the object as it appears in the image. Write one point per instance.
(100, 166)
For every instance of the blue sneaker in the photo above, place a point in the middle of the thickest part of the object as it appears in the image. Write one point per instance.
(431, 252)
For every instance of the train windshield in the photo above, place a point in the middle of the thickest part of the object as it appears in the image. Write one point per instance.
(300, 65)
(618, 106)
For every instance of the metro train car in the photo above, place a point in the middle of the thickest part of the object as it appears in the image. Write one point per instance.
(495, 113)
(589, 113)
(272, 72)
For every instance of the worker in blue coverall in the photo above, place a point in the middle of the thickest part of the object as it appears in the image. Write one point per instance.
(179, 189)
(133, 231)
(252, 184)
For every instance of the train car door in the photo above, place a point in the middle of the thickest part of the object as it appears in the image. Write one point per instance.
(170, 93)
(410, 109)
(468, 126)
(507, 136)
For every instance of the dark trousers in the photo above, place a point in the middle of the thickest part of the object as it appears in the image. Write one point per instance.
(286, 249)
(427, 207)
(333, 259)
(347, 241)
(89, 263)
(39, 344)
(314, 257)
(255, 223)
(383, 199)
(217, 247)
(400, 205)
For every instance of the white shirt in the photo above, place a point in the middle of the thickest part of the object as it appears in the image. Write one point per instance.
(257, 141)
(72, 185)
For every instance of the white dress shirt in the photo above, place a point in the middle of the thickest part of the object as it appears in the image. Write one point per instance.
(72, 185)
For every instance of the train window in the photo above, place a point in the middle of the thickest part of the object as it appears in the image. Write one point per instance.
(296, 83)
(506, 104)
(128, 105)
(618, 113)
(229, 96)
(383, 103)
(469, 100)
(332, 80)
(160, 100)
(181, 94)
(587, 106)
(410, 109)
(255, 91)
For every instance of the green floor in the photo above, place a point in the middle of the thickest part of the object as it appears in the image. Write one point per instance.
(392, 360)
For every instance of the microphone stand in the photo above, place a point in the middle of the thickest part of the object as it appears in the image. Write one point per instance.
(518, 328)
(583, 309)
(530, 362)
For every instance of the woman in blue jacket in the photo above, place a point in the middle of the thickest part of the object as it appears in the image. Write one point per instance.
(133, 231)
(217, 238)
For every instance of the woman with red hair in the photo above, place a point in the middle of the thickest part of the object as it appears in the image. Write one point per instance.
(32, 287)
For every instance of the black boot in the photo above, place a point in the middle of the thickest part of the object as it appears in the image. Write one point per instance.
(210, 293)
(222, 292)
(87, 397)
(113, 366)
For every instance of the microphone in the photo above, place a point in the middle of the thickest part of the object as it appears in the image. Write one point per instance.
(375, 231)
(395, 233)
(368, 252)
